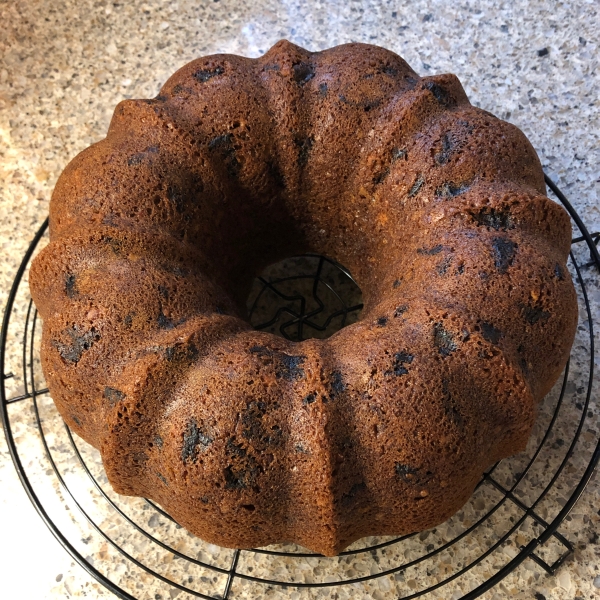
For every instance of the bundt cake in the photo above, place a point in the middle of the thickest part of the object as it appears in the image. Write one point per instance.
(437, 208)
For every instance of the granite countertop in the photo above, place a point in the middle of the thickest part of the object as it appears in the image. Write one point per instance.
(67, 64)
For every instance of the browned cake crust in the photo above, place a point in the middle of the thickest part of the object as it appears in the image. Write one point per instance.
(436, 207)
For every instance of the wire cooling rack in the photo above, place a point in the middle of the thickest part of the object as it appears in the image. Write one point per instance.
(137, 551)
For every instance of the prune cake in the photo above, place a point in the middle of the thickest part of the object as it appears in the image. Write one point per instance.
(436, 207)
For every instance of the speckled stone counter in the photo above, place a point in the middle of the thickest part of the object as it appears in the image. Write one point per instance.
(66, 64)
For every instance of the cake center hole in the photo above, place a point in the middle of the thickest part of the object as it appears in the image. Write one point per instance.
(304, 297)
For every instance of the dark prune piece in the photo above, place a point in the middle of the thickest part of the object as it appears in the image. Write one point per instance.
(443, 340)
(410, 80)
(443, 156)
(400, 310)
(234, 480)
(203, 75)
(381, 176)
(400, 359)
(366, 104)
(382, 321)
(259, 350)
(417, 185)
(163, 321)
(222, 143)
(113, 395)
(70, 286)
(303, 73)
(136, 159)
(235, 450)
(450, 189)
(533, 314)
(323, 90)
(430, 251)
(252, 420)
(187, 352)
(399, 370)
(115, 245)
(403, 357)
(398, 153)
(243, 470)
(80, 342)
(495, 218)
(191, 351)
(442, 267)
(194, 441)
(309, 399)
(337, 384)
(289, 367)
(504, 252)
(558, 272)
(468, 127)
(490, 333)
(440, 94)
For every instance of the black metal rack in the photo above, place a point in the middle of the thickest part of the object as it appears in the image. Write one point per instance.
(514, 514)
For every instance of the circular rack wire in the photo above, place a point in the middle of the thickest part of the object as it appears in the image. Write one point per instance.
(136, 550)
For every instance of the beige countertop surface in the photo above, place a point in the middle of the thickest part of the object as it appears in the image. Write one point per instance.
(65, 65)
